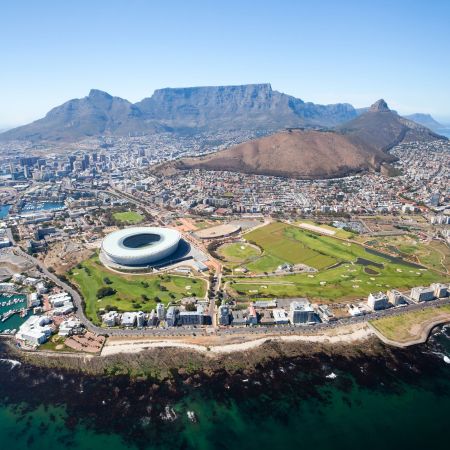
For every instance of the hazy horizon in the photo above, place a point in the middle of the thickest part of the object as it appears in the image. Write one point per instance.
(323, 53)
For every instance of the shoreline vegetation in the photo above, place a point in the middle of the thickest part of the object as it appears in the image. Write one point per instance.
(410, 328)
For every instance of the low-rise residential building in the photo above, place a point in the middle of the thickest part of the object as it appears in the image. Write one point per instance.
(172, 316)
(111, 318)
(396, 298)
(224, 314)
(302, 312)
(129, 319)
(354, 311)
(280, 316)
(377, 301)
(35, 330)
(440, 290)
(192, 317)
(160, 311)
(239, 318)
(67, 326)
(325, 313)
(422, 294)
(252, 317)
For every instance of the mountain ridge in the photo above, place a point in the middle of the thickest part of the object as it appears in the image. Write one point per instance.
(250, 107)
(358, 145)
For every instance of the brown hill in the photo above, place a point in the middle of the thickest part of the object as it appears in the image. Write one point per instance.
(296, 153)
(359, 145)
(382, 128)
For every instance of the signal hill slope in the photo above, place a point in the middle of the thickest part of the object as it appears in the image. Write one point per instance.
(359, 145)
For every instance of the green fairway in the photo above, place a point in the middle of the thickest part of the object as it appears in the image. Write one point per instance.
(130, 289)
(129, 217)
(434, 254)
(284, 243)
(345, 270)
(238, 252)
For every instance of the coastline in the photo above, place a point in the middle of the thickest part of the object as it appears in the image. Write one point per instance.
(346, 335)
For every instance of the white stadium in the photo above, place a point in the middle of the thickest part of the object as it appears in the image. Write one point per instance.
(140, 246)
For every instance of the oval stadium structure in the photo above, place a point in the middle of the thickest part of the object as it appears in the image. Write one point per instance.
(140, 246)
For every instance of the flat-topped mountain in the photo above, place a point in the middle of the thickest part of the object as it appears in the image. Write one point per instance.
(246, 107)
(360, 144)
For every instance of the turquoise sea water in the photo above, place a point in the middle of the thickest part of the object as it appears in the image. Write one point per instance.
(397, 402)
(14, 321)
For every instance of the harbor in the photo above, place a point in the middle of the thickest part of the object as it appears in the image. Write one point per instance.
(13, 312)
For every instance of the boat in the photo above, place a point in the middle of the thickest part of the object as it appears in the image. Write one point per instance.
(169, 414)
(192, 416)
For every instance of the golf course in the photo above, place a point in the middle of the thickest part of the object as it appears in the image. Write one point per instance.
(129, 292)
(344, 270)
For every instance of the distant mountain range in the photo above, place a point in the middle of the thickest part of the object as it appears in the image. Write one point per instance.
(182, 110)
(357, 145)
(252, 107)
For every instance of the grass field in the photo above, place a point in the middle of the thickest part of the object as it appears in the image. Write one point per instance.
(130, 288)
(284, 243)
(129, 217)
(238, 253)
(345, 270)
(434, 254)
(408, 326)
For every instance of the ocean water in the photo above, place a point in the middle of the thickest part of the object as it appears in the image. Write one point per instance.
(393, 402)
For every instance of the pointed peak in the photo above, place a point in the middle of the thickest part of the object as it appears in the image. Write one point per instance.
(97, 93)
(380, 105)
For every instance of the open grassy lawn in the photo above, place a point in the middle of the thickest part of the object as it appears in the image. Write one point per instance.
(129, 217)
(345, 270)
(238, 252)
(130, 288)
(284, 243)
(408, 326)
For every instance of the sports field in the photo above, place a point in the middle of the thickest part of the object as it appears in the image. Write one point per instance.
(129, 217)
(237, 253)
(345, 270)
(133, 292)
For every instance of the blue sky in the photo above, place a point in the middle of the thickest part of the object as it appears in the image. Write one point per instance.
(320, 51)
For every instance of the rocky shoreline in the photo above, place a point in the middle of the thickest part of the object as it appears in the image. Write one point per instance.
(127, 392)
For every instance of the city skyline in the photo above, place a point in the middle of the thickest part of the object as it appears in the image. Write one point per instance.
(324, 54)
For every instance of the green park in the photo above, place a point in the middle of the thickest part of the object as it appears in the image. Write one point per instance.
(341, 269)
(103, 289)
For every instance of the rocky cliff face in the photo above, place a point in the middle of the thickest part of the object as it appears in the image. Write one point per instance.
(247, 107)
(252, 106)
